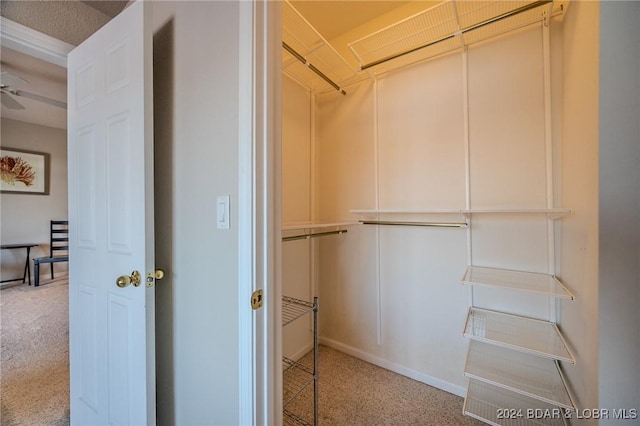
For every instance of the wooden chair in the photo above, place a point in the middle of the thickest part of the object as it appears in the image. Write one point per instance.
(58, 248)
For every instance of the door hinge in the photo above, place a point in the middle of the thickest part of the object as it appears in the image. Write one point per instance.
(256, 299)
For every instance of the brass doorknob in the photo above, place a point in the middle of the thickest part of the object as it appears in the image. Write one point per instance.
(159, 274)
(125, 280)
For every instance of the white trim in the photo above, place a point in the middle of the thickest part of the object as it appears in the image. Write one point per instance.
(34, 43)
(246, 270)
(396, 368)
(260, 387)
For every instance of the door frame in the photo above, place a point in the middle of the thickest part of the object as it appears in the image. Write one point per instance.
(259, 212)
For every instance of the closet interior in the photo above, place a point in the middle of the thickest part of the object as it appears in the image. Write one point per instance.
(420, 204)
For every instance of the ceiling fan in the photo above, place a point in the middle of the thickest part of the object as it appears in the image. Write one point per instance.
(8, 82)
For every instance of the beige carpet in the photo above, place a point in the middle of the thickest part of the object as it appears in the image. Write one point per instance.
(35, 374)
(34, 329)
(355, 392)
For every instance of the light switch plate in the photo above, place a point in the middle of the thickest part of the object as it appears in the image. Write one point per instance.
(222, 212)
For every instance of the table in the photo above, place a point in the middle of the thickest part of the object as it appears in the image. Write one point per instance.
(27, 265)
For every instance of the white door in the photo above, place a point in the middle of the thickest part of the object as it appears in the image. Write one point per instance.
(111, 328)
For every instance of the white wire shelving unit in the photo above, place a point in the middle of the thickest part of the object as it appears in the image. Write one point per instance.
(444, 28)
(447, 27)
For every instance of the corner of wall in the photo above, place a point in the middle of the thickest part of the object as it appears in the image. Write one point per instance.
(579, 189)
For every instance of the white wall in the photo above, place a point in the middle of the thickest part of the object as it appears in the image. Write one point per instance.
(25, 218)
(579, 167)
(619, 207)
(196, 97)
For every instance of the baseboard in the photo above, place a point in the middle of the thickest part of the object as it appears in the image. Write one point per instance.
(303, 351)
(396, 368)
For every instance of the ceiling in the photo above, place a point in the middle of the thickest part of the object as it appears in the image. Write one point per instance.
(69, 21)
(334, 18)
(339, 22)
(343, 22)
(42, 78)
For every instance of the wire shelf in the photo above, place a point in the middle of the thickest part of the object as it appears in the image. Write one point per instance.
(292, 309)
(434, 24)
(516, 280)
(529, 375)
(492, 404)
(297, 32)
(303, 38)
(529, 335)
(553, 213)
(446, 27)
(296, 377)
(290, 418)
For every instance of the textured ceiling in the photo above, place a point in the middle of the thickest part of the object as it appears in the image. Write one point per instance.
(69, 21)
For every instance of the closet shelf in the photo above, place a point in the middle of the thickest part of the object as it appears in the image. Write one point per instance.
(524, 334)
(552, 213)
(486, 403)
(519, 372)
(516, 280)
(304, 44)
(292, 309)
(415, 223)
(371, 212)
(444, 28)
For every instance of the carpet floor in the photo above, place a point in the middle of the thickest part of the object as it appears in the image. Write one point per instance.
(35, 374)
(34, 365)
(355, 392)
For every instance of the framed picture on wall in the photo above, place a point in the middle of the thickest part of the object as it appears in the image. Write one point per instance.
(24, 172)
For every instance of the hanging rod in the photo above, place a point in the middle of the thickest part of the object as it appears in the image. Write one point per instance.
(464, 30)
(433, 224)
(301, 58)
(314, 235)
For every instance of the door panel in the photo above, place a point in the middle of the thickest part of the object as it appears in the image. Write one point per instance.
(111, 328)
